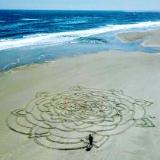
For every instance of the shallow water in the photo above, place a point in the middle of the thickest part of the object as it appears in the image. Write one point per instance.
(28, 37)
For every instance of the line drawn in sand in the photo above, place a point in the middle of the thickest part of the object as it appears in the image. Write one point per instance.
(64, 120)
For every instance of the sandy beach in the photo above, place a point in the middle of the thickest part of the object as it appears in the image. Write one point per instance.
(137, 74)
(148, 38)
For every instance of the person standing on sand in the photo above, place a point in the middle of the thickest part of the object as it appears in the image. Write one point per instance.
(90, 144)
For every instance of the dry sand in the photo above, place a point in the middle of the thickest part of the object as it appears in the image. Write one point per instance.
(137, 74)
(148, 38)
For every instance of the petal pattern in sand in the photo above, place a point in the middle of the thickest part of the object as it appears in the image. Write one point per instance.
(64, 120)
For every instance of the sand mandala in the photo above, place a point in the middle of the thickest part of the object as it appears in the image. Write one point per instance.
(64, 120)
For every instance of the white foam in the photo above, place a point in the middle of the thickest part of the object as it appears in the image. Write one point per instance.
(74, 22)
(58, 38)
(29, 19)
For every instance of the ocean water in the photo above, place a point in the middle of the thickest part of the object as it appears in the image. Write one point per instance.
(28, 37)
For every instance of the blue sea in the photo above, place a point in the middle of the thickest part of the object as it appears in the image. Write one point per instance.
(28, 37)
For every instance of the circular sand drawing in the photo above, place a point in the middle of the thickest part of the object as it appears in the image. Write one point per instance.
(64, 120)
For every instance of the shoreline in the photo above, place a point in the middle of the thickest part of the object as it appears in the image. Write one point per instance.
(16, 69)
(145, 41)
